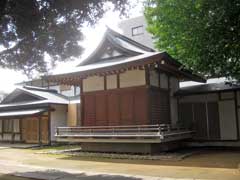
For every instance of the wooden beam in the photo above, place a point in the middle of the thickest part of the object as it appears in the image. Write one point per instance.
(105, 82)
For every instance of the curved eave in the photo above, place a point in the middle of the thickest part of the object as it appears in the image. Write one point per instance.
(161, 59)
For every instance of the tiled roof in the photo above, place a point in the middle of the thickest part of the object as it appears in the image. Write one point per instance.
(41, 96)
(207, 88)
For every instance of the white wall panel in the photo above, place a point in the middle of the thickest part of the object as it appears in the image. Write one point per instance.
(58, 118)
(111, 82)
(93, 83)
(132, 78)
(228, 128)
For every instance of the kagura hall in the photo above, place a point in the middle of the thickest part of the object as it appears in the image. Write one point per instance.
(128, 101)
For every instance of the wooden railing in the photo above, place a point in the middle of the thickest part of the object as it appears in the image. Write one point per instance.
(135, 131)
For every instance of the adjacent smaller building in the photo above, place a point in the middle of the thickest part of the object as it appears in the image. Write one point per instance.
(212, 111)
(31, 114)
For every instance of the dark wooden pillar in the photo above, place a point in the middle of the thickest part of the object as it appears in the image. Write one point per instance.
(20, 129)
(12, 130)
(81, 103)
(149, 92)
(1, 122)
(118, 81)
(169, 98)
(39, 130)
(49, 126)
(236, 112)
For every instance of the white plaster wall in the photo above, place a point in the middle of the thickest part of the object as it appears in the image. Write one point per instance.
(16, 127)
(17, 137)
(58, 118)
(93, 83)
(132, 78)
(163, 81)
(111, 81)
(154, 78)
(227, 119)
(77, 90)
(7, 137)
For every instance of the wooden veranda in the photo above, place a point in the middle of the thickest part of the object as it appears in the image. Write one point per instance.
(123, 134)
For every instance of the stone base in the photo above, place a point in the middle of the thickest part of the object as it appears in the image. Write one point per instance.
(138, 148)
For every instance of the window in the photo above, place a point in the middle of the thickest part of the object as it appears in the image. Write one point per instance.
(137, 30)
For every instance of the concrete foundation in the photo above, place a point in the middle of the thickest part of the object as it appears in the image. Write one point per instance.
(138, 148)
(212, 144)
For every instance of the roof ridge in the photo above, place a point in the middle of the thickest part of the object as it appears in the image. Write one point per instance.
(35, 88)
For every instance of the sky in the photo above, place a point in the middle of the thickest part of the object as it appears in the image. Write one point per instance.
(92, 35)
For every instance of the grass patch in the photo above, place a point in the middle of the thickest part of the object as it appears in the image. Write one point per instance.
(56, 148)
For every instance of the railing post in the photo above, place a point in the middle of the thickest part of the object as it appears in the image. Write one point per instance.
(56, 131)
(159, 129)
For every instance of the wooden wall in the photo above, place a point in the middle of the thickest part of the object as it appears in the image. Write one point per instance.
(30, 130)
(136, 96)
(128, 106)
(159, 106)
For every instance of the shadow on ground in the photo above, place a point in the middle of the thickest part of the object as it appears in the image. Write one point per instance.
(202, 157)
(9, 177)
(60, 175)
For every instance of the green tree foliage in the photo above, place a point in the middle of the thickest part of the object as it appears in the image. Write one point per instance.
(203, 34)
(31, 28)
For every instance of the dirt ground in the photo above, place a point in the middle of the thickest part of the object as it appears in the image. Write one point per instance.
(206, 164)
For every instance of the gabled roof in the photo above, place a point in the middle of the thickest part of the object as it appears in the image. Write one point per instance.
(117, 53)
(28, 96)
(115, 45)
